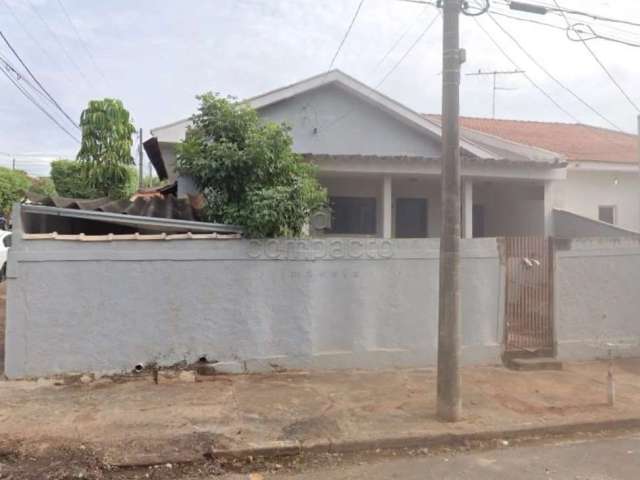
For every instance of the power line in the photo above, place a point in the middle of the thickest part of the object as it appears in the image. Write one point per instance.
(406, 53)
(527, 76)
(563, 11)
(602, 65)
(44, 90)
(346, 35)
(409, 50)
(398, 41)
(35, 102)
(81, 39)
(550, 75)
(574, 27)
(59, 42)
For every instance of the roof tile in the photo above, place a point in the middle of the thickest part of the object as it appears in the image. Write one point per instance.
(577, 142)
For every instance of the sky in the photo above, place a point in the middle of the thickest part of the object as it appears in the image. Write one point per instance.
(157, 55)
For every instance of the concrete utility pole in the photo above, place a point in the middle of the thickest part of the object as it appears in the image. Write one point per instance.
(13, 163)
(140, 161)
(449, 405)
(495, 73)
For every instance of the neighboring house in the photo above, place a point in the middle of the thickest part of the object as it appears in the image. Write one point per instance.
(380, 162)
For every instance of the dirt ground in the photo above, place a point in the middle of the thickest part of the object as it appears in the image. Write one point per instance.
(105, 427)
(3, 301)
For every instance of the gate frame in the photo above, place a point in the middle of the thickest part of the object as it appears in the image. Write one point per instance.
(552, 349)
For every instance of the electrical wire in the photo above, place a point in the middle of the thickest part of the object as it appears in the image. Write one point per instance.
(59, 42)
(398, 41)
(575, 28)
(557, 9)
(550, 75)
(602, 65)
(409, 50)
(526, 75)
(346, 35)
(37, 104)
(406, 53)
(81, 40)
(44, 90)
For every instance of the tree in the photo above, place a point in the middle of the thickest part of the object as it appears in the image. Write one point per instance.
(105, 153)
(69, 181)
(247, 171)
(13, 186)
(43, 186)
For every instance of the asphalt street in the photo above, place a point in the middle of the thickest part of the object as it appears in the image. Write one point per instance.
(592, 459)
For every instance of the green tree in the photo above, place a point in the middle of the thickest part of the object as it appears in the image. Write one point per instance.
(69, 181)
(105, 153)
(247, 170)
(43, 186)
(13, 186)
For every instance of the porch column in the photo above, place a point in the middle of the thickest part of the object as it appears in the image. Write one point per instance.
(387, 209)
(467, 208)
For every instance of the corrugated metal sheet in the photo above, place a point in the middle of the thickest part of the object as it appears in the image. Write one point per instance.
(47, 219)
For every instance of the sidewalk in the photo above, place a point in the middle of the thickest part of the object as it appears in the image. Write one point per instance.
(138, 422)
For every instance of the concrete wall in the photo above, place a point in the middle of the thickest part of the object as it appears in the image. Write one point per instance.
(583, 191)
(597, 301)
(105, 306)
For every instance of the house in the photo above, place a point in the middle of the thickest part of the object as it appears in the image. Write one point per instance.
(380, 162)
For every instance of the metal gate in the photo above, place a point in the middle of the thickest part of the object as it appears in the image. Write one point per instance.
(529, 294)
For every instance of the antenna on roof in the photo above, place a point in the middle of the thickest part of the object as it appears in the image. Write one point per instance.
(495, 74)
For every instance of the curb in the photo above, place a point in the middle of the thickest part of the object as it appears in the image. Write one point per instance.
(284, 449)
(279, 449)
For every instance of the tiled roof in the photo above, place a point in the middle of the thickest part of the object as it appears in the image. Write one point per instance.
(576, 142)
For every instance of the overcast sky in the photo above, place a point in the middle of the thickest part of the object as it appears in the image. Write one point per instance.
(156, 55)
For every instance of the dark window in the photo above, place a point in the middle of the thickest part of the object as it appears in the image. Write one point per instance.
(6, 241)
(353, 215)
(411, 217)
(478, 221)
(607, 213)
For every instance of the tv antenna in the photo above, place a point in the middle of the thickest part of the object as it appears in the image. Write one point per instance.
(494, 74)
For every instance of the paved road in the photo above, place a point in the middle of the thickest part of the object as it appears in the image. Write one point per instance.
(601, 459)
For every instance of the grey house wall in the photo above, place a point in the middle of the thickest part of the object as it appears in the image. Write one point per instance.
(597, 287)
(330, 120)
(253, 306)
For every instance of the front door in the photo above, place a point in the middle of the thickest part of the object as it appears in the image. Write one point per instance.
(529, 294)
(411, 217)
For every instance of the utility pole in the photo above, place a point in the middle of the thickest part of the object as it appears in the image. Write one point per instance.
(140, 161)
(495, 73)
(448, 390)
(13, 163)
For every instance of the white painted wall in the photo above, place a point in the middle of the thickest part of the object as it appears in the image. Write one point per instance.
(347, 124)
(597, 301)
(253, 306)
(583, 191)
(511, 208)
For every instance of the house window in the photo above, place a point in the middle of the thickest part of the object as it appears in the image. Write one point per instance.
(607, 213)
(411, 217)
(353, 215)
(478, 221)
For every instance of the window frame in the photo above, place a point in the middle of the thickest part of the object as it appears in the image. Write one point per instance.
(614, 214)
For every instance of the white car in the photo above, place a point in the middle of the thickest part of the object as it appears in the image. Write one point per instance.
(5, 243)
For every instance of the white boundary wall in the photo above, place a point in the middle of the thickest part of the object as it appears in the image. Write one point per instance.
(597, 292)
(77, 306)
